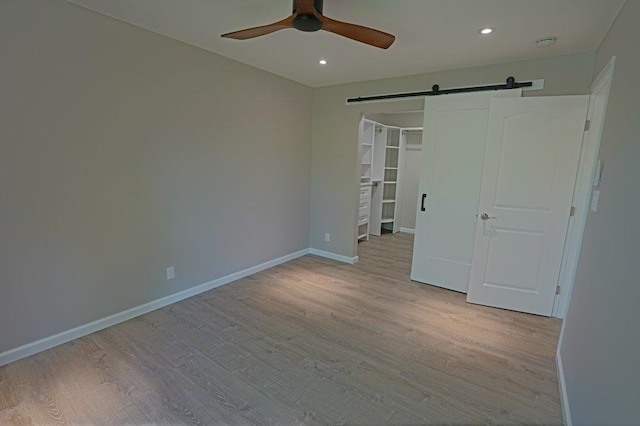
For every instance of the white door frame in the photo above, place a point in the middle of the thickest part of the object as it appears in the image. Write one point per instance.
(582, 193)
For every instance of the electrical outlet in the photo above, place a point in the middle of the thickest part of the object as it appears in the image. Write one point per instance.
(327, 237)
(171, 273)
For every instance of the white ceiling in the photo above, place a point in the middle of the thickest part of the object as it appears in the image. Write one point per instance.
(430, 35)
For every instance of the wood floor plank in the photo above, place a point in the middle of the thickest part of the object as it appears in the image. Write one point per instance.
(312, 341)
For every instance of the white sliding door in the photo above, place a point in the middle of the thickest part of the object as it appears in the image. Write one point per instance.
(454, 134)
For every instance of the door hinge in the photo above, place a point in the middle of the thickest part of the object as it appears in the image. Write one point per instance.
(557, 289)
(587, 125)
(572, 212)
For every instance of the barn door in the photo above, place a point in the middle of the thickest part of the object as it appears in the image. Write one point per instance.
(453, 146)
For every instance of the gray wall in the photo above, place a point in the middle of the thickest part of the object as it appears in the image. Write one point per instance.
(600, 349)
(412, 160)
(334, 171)
(123, 152)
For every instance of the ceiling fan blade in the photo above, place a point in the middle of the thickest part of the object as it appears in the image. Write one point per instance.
(304, 7)
(357, 32)
(260, 31)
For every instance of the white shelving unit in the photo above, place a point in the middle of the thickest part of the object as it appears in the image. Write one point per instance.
(367, 129)
(381, 177)
(391, 185)
(377, 178)
(367, 139)
(364, 211)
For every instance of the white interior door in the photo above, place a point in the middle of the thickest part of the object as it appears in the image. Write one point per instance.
(454, 134)
(530, 165)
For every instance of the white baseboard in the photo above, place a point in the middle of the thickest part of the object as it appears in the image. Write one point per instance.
(83, 330)
(408, 230)
(333, 256)
(564, 400)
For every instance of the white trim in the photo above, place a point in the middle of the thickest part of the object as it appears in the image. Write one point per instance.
(334, 256)
(564, 399)
(408, 230)
(83, 330)
(582, 193)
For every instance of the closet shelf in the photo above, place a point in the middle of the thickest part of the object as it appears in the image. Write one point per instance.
(390, 182)
(387, 220)
(391, 168)
(389, 201)
(392, 147)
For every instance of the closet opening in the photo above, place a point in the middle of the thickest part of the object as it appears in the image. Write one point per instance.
(390, 146)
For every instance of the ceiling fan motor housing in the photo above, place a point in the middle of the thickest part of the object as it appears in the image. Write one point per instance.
(308, 23)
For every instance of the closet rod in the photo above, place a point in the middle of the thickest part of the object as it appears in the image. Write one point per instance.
(436, 91)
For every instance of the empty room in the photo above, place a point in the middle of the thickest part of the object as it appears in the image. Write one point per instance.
(290, 212)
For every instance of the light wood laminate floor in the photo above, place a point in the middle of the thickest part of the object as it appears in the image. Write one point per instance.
(311, 341)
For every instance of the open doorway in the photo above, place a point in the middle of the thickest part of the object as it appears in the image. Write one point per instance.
(390, 146)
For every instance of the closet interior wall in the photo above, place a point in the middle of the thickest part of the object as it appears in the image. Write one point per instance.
(411, 142)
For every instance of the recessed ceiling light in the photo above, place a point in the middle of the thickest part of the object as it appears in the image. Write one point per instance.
(486, 31)
(322, 62)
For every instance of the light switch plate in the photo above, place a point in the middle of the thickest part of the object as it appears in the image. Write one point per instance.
(595, 197)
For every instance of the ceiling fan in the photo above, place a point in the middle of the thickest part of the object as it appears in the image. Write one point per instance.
(307, 16)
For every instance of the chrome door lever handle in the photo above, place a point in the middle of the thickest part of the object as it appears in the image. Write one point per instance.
(485, 216)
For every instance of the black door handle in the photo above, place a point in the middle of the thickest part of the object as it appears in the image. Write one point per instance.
(422, 208)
